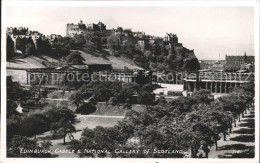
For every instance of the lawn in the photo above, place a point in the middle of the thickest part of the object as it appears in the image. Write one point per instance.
(116, 62)
(84, 121)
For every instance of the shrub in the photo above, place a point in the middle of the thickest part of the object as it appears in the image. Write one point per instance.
(86, 109)
(55, 95)
(112, 101)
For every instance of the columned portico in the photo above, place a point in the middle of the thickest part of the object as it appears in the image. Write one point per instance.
(213, 86)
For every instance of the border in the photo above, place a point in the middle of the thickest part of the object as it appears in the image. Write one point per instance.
(252, 3)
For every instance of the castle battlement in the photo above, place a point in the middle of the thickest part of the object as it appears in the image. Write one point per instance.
(171, 38)
(80, 28)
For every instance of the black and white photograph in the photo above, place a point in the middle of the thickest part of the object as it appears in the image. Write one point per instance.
(130, 81)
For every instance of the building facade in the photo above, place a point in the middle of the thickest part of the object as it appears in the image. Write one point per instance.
(96, 27)
(235, 62)
(75, 29)
(216, 82)
(20, 38)
(61, 77)
(170, 38)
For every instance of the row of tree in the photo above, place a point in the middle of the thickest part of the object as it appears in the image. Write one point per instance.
(189, 124)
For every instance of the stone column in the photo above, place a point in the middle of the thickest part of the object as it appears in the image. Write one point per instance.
(220, 87)
(216, 87)
(189, 87)
(211, 87)
(66, 77)
(225, 85)
(28, 77)
(206, 85)
(195, 86)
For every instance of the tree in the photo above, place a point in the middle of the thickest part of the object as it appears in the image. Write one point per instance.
(30, 48)
(60, 49)
(9, 47)
(75, 58)
(128, 50)
(79, 41)
(22, 143)
(43, 46)
(203, 96)
(161, 101)
(124, 91)
(15, 95)
(146, 98)
(62, 120)
(139, 59)
(13, 125)
(100, 138)
(181, 105)
(157, 49)
(232, 104)
(113, 42)
(34, 124)
(86, 108)
(66, 128)
(146, 95)
(76, 98)
(191, 64)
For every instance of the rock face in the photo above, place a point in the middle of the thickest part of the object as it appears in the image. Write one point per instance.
(183, 59)
(174, 55)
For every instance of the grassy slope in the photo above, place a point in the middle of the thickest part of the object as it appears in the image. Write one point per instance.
(29, 62)
(25, 63)
(90, 57)
(117, 62)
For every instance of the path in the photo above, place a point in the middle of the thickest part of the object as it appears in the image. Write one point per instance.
(241, 142)
(99, 116)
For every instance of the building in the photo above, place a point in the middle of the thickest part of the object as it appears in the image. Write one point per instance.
(75, 29)
(62, 77)
(81, 28)
(216, 82)
(170, 38)
(59, 77)
(141, 44)
(207, 64)
(17, 31)
(235, 62)
(119, 31)
(138, 34)
(128, 32)
(96, 27)
(20, 37)
(53, 38)
(217, 67)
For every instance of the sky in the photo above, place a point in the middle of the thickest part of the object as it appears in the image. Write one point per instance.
(212, 31)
